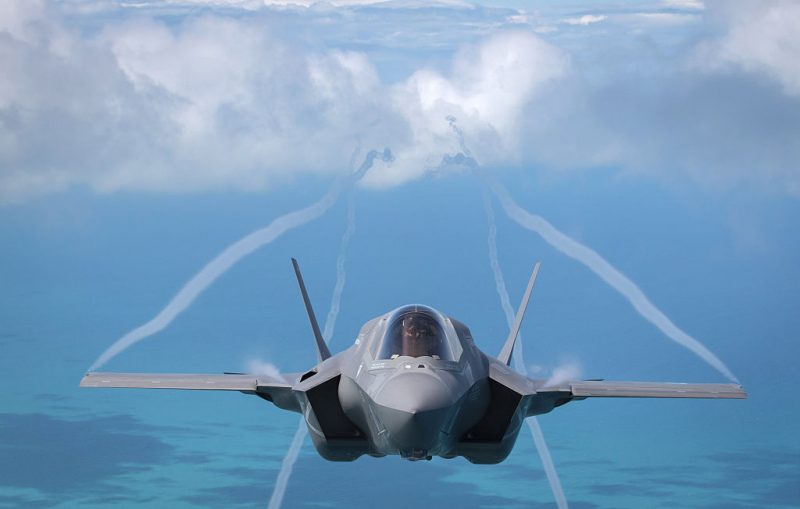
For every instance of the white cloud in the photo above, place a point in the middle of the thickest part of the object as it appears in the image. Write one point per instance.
(249, 100)
(520, 18)
(258, 4)
(217, 102)
(208, 64)
(209, 103)
(760, 38)
(666, 18)
(486, 91)
(585, 20)
(18, 18)
(696, 5)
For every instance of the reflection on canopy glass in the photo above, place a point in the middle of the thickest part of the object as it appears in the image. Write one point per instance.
(415, 334)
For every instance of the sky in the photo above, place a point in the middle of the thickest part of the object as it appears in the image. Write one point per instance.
(139, 140)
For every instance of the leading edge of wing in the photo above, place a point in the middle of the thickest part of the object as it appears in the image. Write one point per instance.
(610, 389)
(226, 382)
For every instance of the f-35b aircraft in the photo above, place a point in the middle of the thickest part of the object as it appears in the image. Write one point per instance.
(413, 384)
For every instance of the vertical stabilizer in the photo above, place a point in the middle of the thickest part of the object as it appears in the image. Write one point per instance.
(508, 348)
(322, 349)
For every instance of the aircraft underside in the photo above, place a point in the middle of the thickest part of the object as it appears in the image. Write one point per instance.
(482, 425)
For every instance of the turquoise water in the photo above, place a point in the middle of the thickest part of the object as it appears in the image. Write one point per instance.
(80, 270)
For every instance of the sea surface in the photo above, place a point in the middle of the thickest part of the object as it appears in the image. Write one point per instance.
(79, 270)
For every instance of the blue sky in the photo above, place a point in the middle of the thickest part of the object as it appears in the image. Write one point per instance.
(138, 140)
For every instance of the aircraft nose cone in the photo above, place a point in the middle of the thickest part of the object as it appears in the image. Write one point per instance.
(414, 408)
(414, 392)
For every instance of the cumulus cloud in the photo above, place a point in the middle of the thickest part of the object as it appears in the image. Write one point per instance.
(218, 101)
(66, 110)
(251, 96)
(720, 132)
(761, 37)
(643, 104)
(256, 4)
(487, 90)
(210, 102)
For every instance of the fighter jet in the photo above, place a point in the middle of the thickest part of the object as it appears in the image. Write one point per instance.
(413, 384)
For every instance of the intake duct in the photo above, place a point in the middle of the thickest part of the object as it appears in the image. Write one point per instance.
(492, 427)
(334, 424)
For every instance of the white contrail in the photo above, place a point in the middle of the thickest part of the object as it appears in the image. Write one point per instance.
(519, 361)
(235, 252)
(499, 280)
(341, 275)
(287, 466)
(330, 324)
(610, 275)
(547, 462)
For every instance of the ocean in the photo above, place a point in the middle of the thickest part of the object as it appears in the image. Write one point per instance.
(79, 270)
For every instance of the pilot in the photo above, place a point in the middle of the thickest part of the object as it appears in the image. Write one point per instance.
(420, 336)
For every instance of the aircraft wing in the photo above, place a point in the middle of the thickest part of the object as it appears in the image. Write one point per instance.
(609, 389)
(275, 389)
(171, 381)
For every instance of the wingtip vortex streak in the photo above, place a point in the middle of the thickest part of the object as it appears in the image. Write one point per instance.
(231, 255)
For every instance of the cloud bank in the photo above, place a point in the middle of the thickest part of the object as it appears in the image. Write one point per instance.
(172, 97)
(760, 38)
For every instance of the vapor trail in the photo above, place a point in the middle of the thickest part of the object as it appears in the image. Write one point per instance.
(341, 275)
(547, 461)
(232, 254)
(499, 280)
(610, 275)
(330, 324)
(287, 466)
(519, 361)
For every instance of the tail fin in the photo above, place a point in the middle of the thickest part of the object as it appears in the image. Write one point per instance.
(322, 349)
(508, 347)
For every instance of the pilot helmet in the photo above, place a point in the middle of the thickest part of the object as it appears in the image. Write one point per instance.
(419, 326)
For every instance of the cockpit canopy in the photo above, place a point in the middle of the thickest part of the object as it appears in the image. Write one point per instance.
(417, 331)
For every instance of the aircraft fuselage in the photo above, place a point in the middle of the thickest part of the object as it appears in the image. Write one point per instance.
(361, 402)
